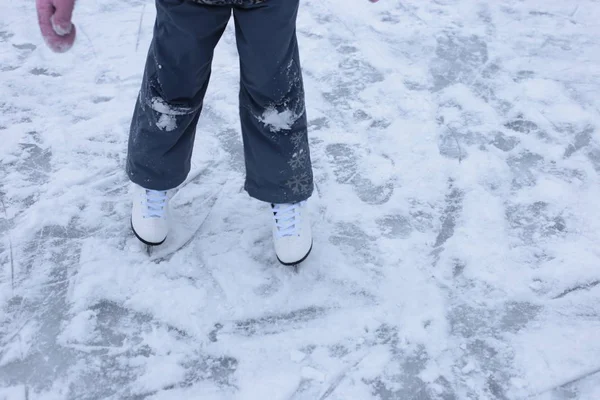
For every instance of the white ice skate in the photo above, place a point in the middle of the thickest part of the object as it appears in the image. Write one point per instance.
(292, 233)
(150, 215)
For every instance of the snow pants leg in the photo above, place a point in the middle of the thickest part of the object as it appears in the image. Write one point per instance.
(272, 111)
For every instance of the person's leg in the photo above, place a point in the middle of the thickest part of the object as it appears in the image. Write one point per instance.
(175, 81)
(272, 110)
(273, 117)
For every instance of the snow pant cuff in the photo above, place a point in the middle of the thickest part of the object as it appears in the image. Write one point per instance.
(283, 197)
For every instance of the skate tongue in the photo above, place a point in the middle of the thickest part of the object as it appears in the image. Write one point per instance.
(286, 219)
(156, 201)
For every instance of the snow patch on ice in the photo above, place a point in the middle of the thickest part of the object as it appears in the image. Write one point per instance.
(313, 374)
(18, 347)
(13, 392)
(297, 356)
(81, 328)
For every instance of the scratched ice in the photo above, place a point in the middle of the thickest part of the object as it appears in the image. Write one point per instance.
(456, 217)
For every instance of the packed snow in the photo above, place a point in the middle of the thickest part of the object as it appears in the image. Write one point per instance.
(456, 218)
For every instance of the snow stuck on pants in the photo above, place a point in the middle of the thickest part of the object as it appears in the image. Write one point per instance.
(167, 119)
(278, 121)
(456, 223)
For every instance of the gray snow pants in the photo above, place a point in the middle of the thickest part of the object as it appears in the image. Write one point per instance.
(272, 110)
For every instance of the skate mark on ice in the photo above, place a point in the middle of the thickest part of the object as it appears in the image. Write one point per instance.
(31, 170)
(318, 124)
(371, 193)
(453, 207)
(458, 59)
(309, 388)
(36, 163)
(469, 322)
(119, 335)
(481, 330)
(42, 359)
(534, 222)
(395, 226)
(219, 370)
(48, 259)
(354, 74)
(584, 286)
(504, 142)
(345, 164)
(357, 76)
(112, 324)
(25, 46)
(342, 375)
(231, 142)
(173, 244)
(6, 227)
(494, 380)
(25, 50)
(524, 168)
(5, 35)
(15, 56)
(421, 215)
(353, 238)
(449, 144)
(569, 388)
(8, 68)
(485, 16)
(524, 75)
(390, 18)
(268, 325)
(101, 99)
(44, 72)
(516, 316)
(461, 127)
(594, 157)
(344, 161)
(347, 49)
(527, 167)
(458, 268)
(524, 126)
(580, 141)
(454, 200)
(400, 377)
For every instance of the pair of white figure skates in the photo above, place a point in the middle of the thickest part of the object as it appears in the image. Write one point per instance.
(292, 233)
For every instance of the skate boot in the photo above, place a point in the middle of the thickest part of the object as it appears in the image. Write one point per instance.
(150, 215)
(292, 233)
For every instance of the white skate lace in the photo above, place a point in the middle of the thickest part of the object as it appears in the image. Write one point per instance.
(287, 218)
(156, 202)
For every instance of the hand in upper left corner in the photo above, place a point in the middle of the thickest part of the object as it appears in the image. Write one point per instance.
(54, 18)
